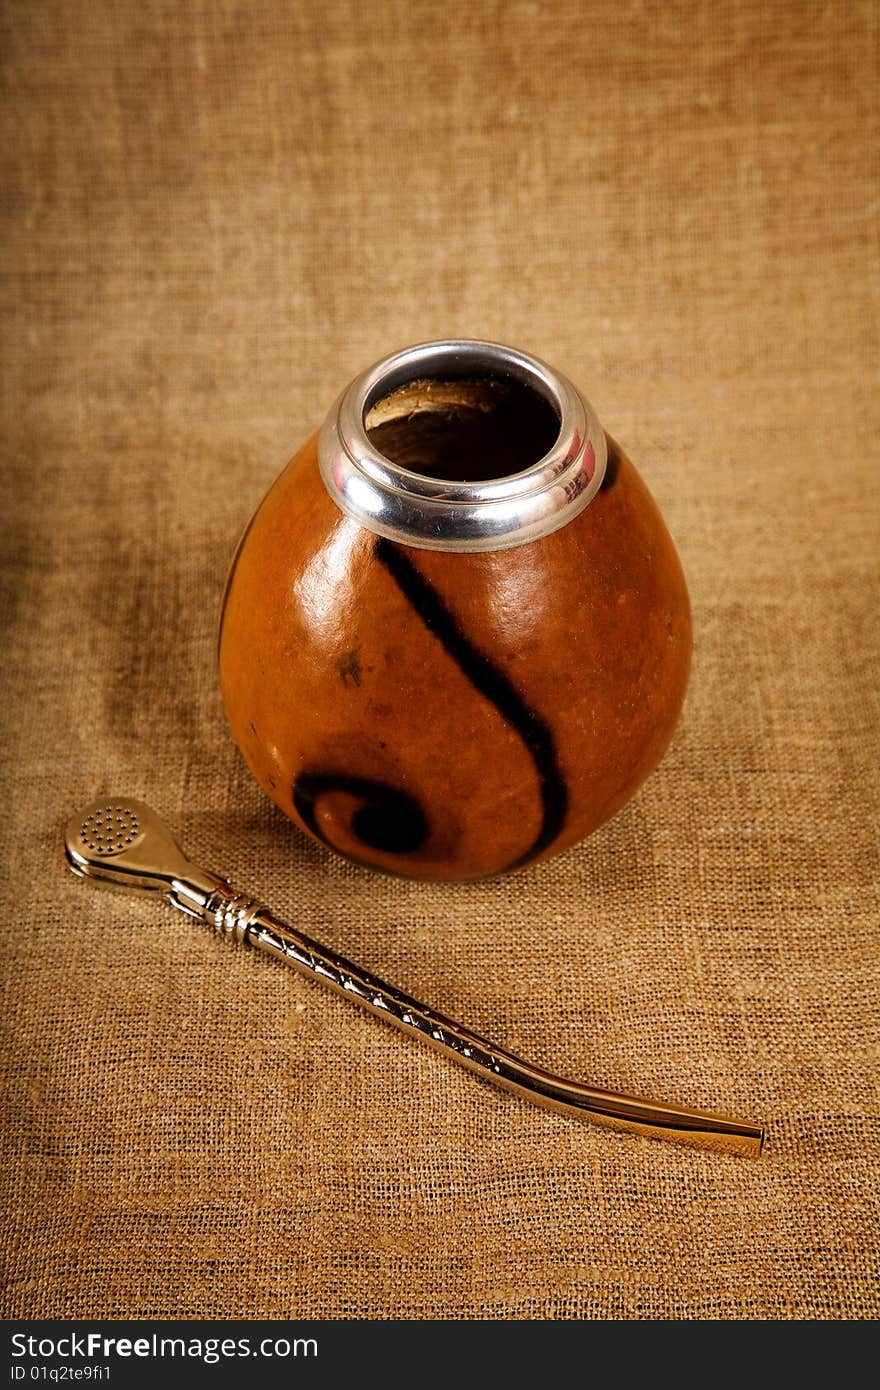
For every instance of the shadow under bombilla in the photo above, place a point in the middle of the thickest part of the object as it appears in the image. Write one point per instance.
(124, 844)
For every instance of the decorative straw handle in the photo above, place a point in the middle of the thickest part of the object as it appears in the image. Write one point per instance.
(124, 844)
(494, 1063)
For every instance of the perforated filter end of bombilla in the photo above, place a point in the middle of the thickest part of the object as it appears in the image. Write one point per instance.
(123, 843)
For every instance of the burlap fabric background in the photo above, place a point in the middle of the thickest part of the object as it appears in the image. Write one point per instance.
(215, 215)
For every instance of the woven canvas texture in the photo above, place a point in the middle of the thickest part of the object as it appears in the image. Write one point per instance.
(214, 216)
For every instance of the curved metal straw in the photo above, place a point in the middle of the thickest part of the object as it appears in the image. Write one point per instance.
(123, 843)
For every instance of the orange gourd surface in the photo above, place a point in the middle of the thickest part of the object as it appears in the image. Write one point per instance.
(452, 715)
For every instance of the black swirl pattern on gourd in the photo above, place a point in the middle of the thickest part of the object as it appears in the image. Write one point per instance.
(388, 819)
(612, 466)
(393, 821)
(494, 685)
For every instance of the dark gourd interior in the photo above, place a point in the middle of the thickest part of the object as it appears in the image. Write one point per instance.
(466, 430)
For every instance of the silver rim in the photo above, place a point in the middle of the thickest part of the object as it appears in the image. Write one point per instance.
(434, 513)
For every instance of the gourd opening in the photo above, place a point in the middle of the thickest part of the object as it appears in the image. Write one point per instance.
(461, 445)
(467, 429)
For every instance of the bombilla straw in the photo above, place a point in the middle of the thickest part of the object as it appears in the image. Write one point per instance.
(122, 843)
